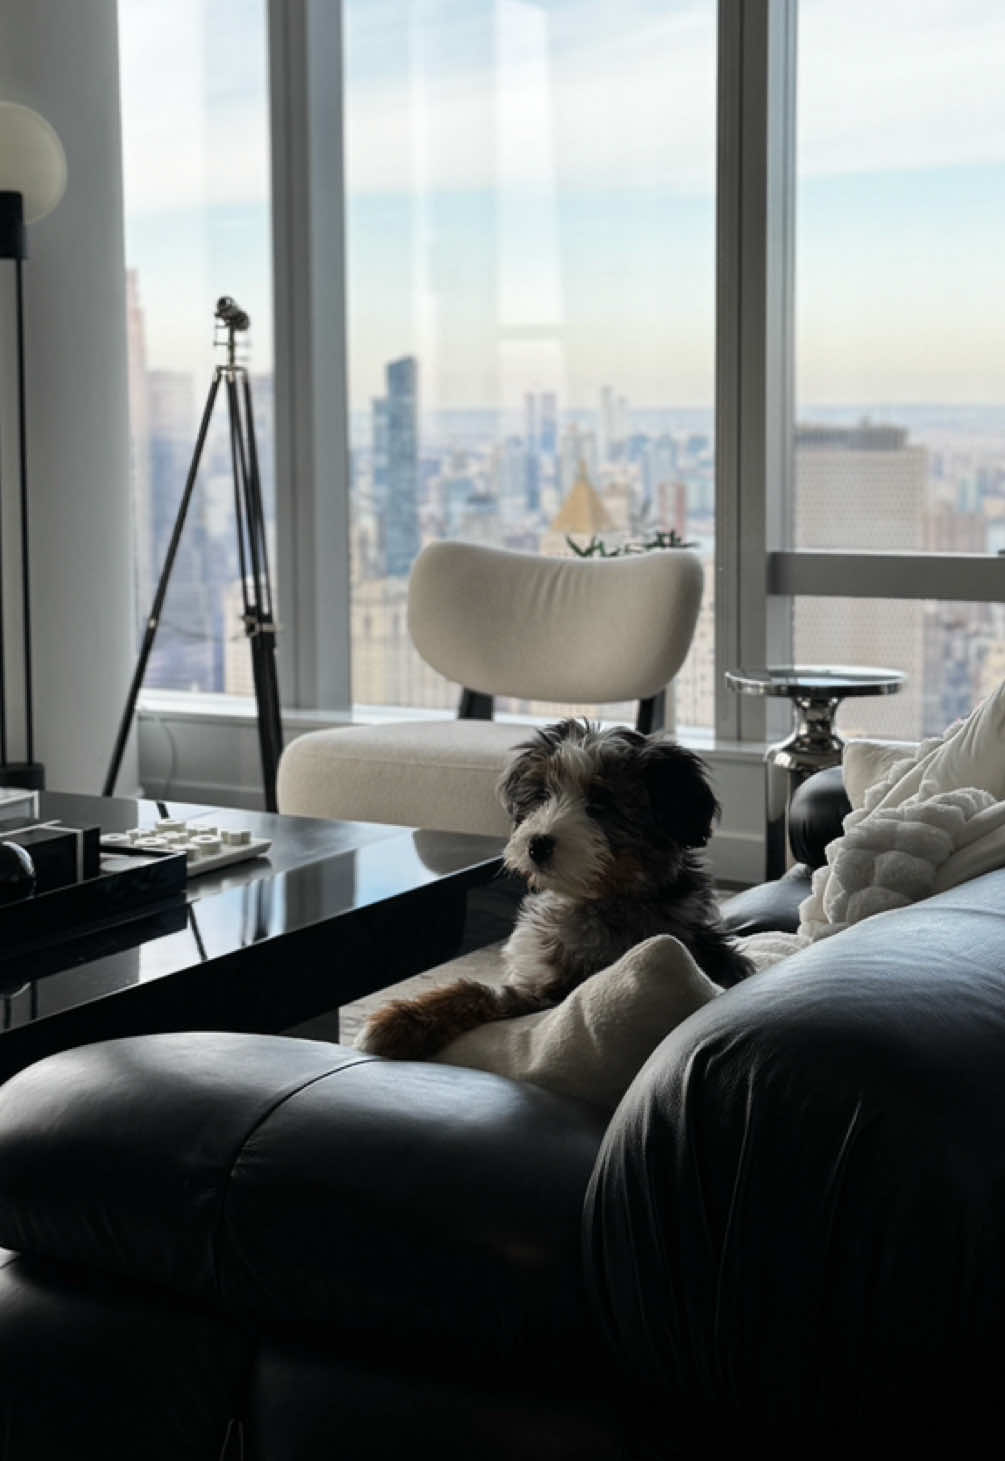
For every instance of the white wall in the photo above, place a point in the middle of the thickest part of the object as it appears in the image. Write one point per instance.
(61, 58)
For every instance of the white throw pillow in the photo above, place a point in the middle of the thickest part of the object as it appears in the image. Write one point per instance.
(593, 1043)
(970, 754)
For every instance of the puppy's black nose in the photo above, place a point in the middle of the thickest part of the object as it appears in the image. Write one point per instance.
(540, 849)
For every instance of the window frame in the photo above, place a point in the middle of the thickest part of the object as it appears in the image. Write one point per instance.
(311, 380)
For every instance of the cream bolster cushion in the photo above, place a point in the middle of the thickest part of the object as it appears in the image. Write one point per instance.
(555, 629)
(593, 1044)
(864, 762)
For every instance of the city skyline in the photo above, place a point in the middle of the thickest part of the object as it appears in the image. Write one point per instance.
(921, 479)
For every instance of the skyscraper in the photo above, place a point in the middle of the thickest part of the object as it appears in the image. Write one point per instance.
(547, 438)
(379, 447)
(186, 653)
(402, 516)
(856, 485)
(530, 420)
(621, 422)
(606, 424)
(139, 449)
(660, 470)
(531, 481)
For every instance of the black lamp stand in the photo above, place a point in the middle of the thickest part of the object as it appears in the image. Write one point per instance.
(256, 584)
(28, 773)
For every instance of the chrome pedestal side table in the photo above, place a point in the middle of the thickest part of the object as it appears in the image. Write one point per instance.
(816, 692)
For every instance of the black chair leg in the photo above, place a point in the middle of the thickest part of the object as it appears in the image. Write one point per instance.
(475, 706)
(652, 714)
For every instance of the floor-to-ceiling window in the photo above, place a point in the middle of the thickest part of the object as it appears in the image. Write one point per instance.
(530, 219)
(531, 259)
(899, 435)
(195, 126)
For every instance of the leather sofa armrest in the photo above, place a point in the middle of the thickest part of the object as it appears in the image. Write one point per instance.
(818, 807)
(288, 1179)
(797, 1201)
(118, 1155)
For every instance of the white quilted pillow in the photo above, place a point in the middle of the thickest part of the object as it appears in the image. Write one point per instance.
(888, 859)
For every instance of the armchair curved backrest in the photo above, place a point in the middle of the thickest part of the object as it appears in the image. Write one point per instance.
(555, 629)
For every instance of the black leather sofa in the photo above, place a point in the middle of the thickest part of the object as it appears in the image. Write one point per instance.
(791, 1233)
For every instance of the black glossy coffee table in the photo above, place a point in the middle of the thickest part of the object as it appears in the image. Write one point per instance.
(334, 911)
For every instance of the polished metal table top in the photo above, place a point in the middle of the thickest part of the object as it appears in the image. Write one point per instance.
(822, 681)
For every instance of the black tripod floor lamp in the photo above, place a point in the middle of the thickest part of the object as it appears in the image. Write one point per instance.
(32, 181)
(252, 551)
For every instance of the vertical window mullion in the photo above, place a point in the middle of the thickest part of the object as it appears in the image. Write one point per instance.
(312, 455)
(756, 122)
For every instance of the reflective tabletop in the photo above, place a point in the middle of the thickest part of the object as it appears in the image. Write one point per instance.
(815, 681)
(324, 888)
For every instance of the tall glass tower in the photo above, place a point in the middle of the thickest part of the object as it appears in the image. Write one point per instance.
(402, 524)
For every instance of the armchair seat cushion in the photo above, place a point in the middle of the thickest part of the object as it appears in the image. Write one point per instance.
(439, 774)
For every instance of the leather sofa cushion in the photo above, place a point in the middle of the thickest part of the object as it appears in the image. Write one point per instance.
(309, 1402)
(290, 1180)
(796, 1217)
(769, 907)
(93, 1366)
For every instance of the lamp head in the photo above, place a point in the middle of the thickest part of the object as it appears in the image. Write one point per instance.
(32, 160)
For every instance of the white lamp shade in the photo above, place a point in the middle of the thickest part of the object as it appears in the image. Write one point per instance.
(32, 160)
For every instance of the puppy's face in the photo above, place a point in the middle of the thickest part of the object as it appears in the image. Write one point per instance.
(602, 812)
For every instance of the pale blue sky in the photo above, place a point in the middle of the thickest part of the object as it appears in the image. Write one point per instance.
(531, 193)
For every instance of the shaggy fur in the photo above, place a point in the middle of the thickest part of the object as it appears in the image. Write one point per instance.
(606, 827)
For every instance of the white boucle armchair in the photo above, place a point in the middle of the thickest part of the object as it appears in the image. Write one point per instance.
(559, 630)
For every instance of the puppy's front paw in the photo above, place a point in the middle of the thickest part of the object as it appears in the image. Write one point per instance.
(415, 1029)
(399, 1031)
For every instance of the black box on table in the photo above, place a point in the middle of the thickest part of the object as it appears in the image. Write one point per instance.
(78, 887)
(62, 855)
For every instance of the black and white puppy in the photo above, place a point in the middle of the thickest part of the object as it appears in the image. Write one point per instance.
(607, 824)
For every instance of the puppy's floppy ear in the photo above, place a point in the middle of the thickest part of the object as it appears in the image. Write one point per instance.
(530, 757)
(683, 802)
(509, 783)
(525, 760)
